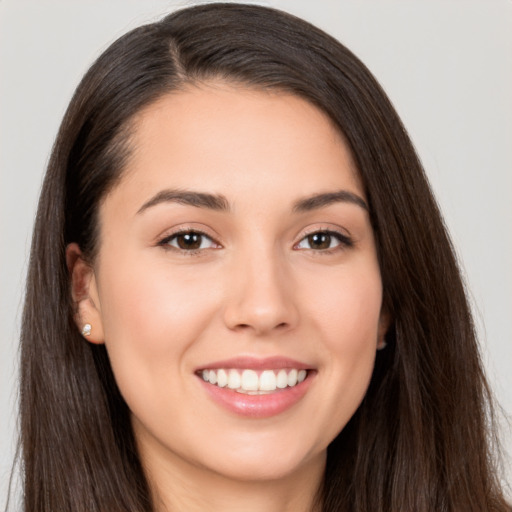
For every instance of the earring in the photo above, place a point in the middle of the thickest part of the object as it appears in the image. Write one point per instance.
(382, 345)
(86, 330)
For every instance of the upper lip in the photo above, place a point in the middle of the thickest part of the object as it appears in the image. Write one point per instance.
(256, 363)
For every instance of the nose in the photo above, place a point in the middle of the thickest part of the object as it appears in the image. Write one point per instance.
(261, 297)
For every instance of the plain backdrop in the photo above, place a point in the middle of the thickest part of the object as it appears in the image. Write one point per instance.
(446, 65)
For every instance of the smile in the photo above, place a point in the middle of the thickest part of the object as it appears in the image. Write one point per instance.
(256, 388)
(253, 382)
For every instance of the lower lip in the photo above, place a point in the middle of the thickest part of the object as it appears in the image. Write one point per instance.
(258, 406)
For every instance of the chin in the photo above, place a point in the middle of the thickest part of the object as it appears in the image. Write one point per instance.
(265, 466)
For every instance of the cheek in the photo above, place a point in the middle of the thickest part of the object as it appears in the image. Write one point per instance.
(151, 301)
(151, 316)
(346, 316)
(347, 310)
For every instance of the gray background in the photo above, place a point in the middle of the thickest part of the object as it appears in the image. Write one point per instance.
(446, 64)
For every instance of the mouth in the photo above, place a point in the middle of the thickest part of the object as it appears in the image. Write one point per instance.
(254, 382)
(256, 388)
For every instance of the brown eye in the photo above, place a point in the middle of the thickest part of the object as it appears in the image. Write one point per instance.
(324, 240)
(189, 241)
(319, 241)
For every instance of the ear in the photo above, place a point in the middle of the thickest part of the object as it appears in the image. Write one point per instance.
(384, 323)
(84, 292)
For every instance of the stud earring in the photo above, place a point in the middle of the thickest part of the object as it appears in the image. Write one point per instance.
(86, 330)
(382, 345)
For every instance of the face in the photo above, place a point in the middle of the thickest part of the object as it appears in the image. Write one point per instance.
(237, 287)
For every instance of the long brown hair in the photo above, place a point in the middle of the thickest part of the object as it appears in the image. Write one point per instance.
(422, 438)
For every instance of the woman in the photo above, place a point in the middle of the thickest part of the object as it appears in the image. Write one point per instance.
(241, 293)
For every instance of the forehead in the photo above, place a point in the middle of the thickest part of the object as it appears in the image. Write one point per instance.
(232, 140)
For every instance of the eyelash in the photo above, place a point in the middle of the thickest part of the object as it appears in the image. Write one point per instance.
(344, 241)
(166, 242)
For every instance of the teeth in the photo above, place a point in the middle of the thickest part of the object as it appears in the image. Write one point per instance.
(282, 379)
(222, 378)
(268, 381)
(234, 379)
(248, 381)
(292, 378)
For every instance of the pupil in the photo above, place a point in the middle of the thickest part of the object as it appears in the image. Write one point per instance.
(189, 241)
(319, 240)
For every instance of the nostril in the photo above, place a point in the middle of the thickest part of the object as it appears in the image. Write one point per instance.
(282, 326)
(259, 312)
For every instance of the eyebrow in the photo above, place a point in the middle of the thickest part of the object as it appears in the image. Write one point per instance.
(321, 200)
(219, 203)
(190, 198)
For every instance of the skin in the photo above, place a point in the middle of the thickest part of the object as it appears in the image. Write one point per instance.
(257, 287)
